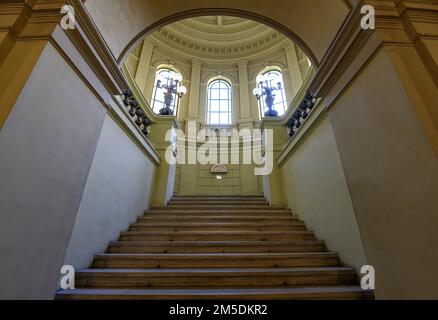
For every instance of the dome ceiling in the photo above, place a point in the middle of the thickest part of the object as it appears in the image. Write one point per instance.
(219, 37)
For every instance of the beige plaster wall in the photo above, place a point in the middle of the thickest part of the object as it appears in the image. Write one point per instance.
(198, 180)
(316, 190)
(47, 146)
(118, 190)
(392, 173)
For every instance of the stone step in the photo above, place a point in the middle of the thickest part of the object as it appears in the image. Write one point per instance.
(262, 203)
(211, 278)
(303, 293)
(214, 211)
(223, 206)
(216, 236)
(264, 226)
(215, 246)
(221, 260)
(218, 218)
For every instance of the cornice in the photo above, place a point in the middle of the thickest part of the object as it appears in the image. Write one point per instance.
(218, 49)
(96, 46)
(348, 42)
(397, 23)
(164, 50)
(30, 20)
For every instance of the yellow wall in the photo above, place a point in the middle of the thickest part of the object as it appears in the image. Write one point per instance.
(316, 190)
(198, 180)
(392, 172)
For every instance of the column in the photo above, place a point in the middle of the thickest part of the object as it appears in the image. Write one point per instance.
(21, 44)
(245, 107)
(164, 179)
(413, 53)
(144, 66)
(295, 75)
(195, 83)
(272, 184)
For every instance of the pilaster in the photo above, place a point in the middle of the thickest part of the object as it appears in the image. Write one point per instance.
(144, 67)
(164, 179)
(409, 34)
(295, 75)
(25, 28)
(272, 184)
(195, 89)
(245, 108)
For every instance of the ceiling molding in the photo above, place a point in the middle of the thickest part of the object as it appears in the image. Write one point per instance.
(222, 12)
(242, 39)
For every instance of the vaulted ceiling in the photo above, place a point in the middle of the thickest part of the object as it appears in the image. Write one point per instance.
(313, 24)
(219, 38)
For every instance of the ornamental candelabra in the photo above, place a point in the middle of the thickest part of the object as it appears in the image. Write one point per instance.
(172, 87)
(265, 89)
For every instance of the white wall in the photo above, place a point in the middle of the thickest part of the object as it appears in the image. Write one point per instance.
(316, 189)
(117, 191)
(47, 146)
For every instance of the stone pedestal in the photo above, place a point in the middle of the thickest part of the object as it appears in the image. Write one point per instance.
(164, 180)
(272, 184)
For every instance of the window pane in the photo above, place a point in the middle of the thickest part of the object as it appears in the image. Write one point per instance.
(219, 103)
(224, 118)
(165, 76)
(214, 94)
(224, 106)
(215, 105)
(214, 118)
(215, 85)
(225, 93)
(275, 77)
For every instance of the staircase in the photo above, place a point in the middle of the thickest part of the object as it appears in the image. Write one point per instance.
(217, 248)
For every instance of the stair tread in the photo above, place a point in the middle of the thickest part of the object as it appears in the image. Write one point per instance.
(289, 292)
(217, 224)
(217, 232)
(248, 218)
(209, 247)
(215, 255)
(219, 243)
(217, 271)
(219, 207)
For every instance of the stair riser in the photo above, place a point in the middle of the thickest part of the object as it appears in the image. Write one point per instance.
(207, 198)
(217, 249)
(205, 281)
(214, 213)
(219, 237)
(219, 207)
(220, 262)
(219, 203)
(212, 219)
(215, 296)
(285, 228)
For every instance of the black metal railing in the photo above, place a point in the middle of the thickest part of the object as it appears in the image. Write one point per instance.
(302, 113)
(136, 112)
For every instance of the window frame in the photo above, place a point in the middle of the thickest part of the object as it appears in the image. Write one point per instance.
(223, 84)
(283, 102)
(155, 90)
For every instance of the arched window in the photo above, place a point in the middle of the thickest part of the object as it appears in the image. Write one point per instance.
(219, 103)
(164, 79)
(273, 79)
